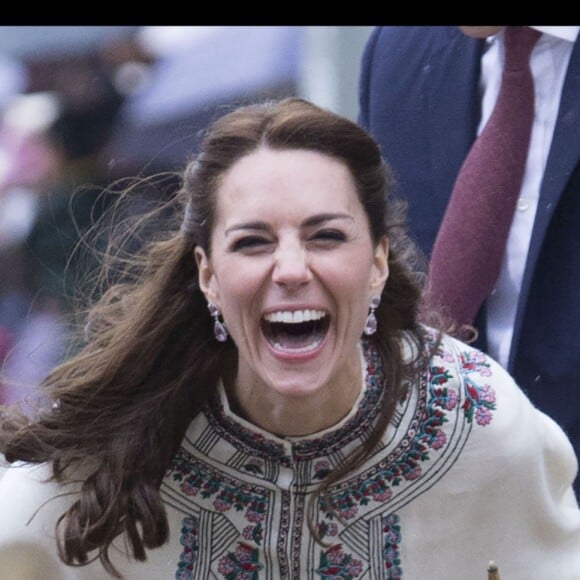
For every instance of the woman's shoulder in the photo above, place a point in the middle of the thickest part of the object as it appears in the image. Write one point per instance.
(488, 393)
(480, 451)
(502, 418)
(469, 368)
(460, 382)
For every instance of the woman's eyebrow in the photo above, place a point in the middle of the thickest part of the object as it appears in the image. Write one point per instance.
(325, 217)
(256, 225)
(308, 222)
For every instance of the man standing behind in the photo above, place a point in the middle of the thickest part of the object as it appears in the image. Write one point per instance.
(426, 94)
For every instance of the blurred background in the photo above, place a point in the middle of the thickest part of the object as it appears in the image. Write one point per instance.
(83, 107)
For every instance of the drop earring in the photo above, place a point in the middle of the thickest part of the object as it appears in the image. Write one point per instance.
(371, 321)
(220, 330)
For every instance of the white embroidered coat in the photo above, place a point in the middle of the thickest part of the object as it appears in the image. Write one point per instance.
(469, 471)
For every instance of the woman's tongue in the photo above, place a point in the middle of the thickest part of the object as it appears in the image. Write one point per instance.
(301, 337)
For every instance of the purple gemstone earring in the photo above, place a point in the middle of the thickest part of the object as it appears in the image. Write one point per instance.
(371, 321)
(220, 330)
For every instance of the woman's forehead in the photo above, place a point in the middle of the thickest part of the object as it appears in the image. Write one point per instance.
(283, 179)
(266, 167)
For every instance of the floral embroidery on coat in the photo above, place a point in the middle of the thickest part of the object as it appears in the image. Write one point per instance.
(336, 564)
(392, 539)
(453, 389)
(189, 541)
(242, 564)
(428, 434)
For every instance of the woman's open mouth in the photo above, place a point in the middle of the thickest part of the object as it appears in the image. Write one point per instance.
(297, 331)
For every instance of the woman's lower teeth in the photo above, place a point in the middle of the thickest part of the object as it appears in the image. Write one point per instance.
(297, 349)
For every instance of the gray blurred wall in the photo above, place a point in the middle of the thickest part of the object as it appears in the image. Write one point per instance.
(330, 74)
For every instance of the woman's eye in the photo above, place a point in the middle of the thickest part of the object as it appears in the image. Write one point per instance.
(249, 243)
(329, 235)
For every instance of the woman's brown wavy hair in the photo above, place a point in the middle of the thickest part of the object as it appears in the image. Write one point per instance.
(122, 402)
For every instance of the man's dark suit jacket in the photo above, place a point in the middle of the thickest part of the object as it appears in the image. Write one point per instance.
(419, 99)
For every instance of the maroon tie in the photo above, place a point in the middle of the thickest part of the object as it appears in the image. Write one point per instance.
(470, 245)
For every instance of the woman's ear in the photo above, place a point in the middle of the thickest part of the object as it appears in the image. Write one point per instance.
(380, 269)
(206, 277)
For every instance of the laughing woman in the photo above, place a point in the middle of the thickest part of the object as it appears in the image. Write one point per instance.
(262, 402)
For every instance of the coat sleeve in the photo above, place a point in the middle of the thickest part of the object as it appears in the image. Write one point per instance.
(520, 466)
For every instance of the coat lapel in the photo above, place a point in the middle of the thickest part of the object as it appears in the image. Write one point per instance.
(562, 160)
(452, 104)
(444, 96)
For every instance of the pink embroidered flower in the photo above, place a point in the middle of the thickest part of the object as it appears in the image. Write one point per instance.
(188, 488)
(226, 566)
(477, 357)
(326, 528)
(220, 505)
(353, 567)
(476, 362)
(254, 516)
(189, 539)
(243, 551)
(383, 495)
(412, 474)
(482, 416)
(451, 400)
(487, 394)
(349, 512)
(335, 554)
(439, 440)
(447, 357)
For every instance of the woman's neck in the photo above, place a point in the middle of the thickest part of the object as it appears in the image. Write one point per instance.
(297, 415)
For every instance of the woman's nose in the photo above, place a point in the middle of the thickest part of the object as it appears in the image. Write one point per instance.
(291, 269)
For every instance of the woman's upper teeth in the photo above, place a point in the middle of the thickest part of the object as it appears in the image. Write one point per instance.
(295, 316)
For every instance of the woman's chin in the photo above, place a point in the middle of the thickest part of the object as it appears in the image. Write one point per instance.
(299, 371)
(294, 388)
